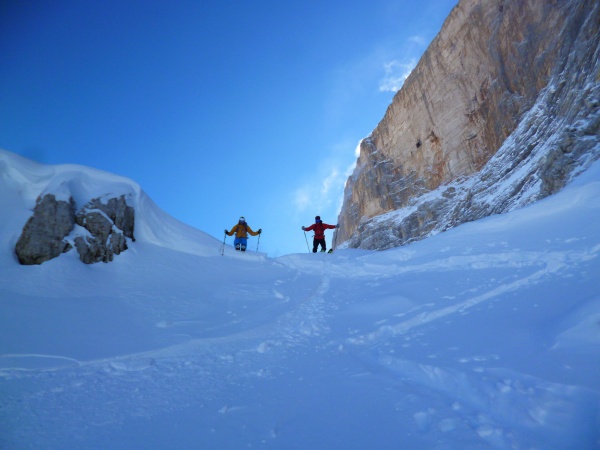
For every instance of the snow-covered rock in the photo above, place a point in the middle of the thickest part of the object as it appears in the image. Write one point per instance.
(56, 208)
(101, 232)
(109, 225)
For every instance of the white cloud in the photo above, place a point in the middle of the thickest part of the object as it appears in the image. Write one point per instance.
(396, 73)
(329, 181)
(323, 193)
(356, 152)
(302, 198)
(397, 69)
(320, 195)
(419, 40)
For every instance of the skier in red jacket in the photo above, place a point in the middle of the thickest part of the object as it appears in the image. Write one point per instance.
(319, 228)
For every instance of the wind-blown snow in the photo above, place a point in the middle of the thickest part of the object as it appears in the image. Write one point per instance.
(485, 336)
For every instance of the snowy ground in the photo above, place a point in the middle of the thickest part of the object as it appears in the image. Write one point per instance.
(485, 336)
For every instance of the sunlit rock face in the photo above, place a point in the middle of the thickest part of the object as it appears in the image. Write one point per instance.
(501, 110)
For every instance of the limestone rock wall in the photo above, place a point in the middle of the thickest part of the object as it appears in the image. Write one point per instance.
(492, 65)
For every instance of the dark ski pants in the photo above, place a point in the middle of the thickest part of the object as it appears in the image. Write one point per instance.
(316, 243)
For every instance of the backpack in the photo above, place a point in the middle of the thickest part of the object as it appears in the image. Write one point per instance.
(245, 227)
(319, 229)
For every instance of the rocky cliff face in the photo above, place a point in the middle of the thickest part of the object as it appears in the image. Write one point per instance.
(502, 110)
(99, 230)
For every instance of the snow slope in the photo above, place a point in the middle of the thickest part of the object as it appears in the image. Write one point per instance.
(485, 336)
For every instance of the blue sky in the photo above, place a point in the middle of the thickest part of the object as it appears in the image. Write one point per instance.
(217, 109)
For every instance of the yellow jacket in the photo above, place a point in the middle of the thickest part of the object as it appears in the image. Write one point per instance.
(241, 230)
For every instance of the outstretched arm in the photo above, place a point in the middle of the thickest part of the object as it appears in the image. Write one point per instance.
(253, 233)
(230, 233)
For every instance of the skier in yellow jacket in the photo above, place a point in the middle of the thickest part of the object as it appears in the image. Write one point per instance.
(241, 230)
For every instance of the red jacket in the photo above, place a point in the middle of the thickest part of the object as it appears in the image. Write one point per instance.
(319, 229)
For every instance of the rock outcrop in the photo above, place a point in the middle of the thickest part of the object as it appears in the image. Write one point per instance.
(98, 230)
(502, 110)
(44, 234)
(108, 226)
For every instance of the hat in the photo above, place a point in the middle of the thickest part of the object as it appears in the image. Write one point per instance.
(242, 219)
(318, 218)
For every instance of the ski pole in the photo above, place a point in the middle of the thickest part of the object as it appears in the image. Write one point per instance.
(223, 247)
(258, 242)
(306, 239)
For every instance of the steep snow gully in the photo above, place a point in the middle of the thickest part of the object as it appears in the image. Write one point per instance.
(485, 336)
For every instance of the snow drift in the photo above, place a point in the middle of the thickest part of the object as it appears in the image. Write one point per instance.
(25, 181)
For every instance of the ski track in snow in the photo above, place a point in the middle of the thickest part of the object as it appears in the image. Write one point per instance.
(553, 263)
(144, 375)
(481, 400)
(485, 336)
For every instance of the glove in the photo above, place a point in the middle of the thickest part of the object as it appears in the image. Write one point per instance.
(259, 230)
(338, 225)
(303, 228)
(226, 231)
